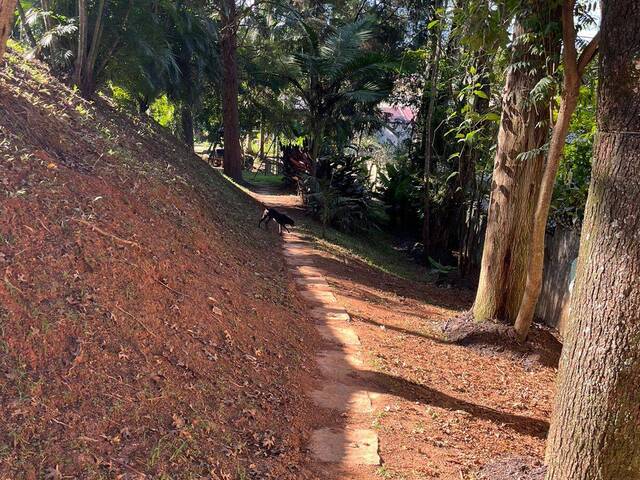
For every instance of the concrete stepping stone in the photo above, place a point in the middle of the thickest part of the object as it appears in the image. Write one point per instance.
(318, 296)
(298, 261)
(344, 398)
(291, 252)
(339, 334)
(345, 447)
(297, 243)
(307, 270)
(313, 283)
(325, 314)
(338, 366)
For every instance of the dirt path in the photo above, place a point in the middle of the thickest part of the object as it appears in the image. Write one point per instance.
(437, 410)
(344, 447)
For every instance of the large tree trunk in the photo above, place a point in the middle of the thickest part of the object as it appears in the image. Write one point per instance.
(595, 430)
(232, 162)
(573, 69)
(516, 178)
(7, 9)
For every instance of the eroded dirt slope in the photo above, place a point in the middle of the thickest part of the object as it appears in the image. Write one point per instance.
(146, 325)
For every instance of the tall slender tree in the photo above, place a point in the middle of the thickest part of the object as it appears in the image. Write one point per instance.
(88, 47)
(7, 9)
(230, 119)
(573, 69)
(595, 432)
(518, 164)
(434, 68)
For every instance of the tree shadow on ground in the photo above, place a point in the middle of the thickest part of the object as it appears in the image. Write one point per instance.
(401, 330)
(415, 392)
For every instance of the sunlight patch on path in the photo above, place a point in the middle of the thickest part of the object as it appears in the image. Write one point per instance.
(355, 444)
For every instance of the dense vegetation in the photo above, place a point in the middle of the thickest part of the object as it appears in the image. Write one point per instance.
(464, 128)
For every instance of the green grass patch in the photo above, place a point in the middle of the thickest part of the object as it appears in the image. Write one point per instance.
(375, 249)
(262, 180)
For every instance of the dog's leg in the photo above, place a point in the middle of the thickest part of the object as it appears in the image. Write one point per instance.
(280, 228)
(264, 215)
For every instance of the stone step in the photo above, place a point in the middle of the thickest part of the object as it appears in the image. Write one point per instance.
(312, 282)
(345, 447)
(338, 365)
(307, 270)
(339, 334)
(329, 313)
(321, 297)
(299, 252)
(344, 398)
(298, 261)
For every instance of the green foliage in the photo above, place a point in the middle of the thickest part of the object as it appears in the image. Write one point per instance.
(163, 111)
(401, 191)
(341, 196)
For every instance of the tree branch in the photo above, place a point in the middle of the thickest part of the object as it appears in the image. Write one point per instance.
(588, 53)
(570, 54)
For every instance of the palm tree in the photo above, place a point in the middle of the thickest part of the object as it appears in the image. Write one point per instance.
(333, 72)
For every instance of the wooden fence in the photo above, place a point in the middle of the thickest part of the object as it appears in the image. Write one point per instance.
(561, 252)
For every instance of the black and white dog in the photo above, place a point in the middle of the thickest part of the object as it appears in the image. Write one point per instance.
(280, 218)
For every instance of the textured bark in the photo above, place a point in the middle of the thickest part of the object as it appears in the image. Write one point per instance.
(7, 9)
(514, 187)
(232, 161)
(573, 69)
(595, 430)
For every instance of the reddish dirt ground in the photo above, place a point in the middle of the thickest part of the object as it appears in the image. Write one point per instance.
(147, 327)
(442, 410)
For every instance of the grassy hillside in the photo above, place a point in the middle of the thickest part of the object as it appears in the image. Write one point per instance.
(146, 325)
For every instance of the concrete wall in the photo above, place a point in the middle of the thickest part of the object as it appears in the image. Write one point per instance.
(561, 251)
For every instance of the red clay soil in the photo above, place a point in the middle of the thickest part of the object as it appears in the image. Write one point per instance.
(147, 328)
(474, 409)
(444, 410)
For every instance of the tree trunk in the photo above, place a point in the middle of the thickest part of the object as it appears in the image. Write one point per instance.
(81, 52)
(88, 85)
(186, 123)
(516, 178)
(232, 161)
(314, 154)
(7, 9)
(428, 140)
(25, 26)
(595, 433)
(572, 74)
(261, 138)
